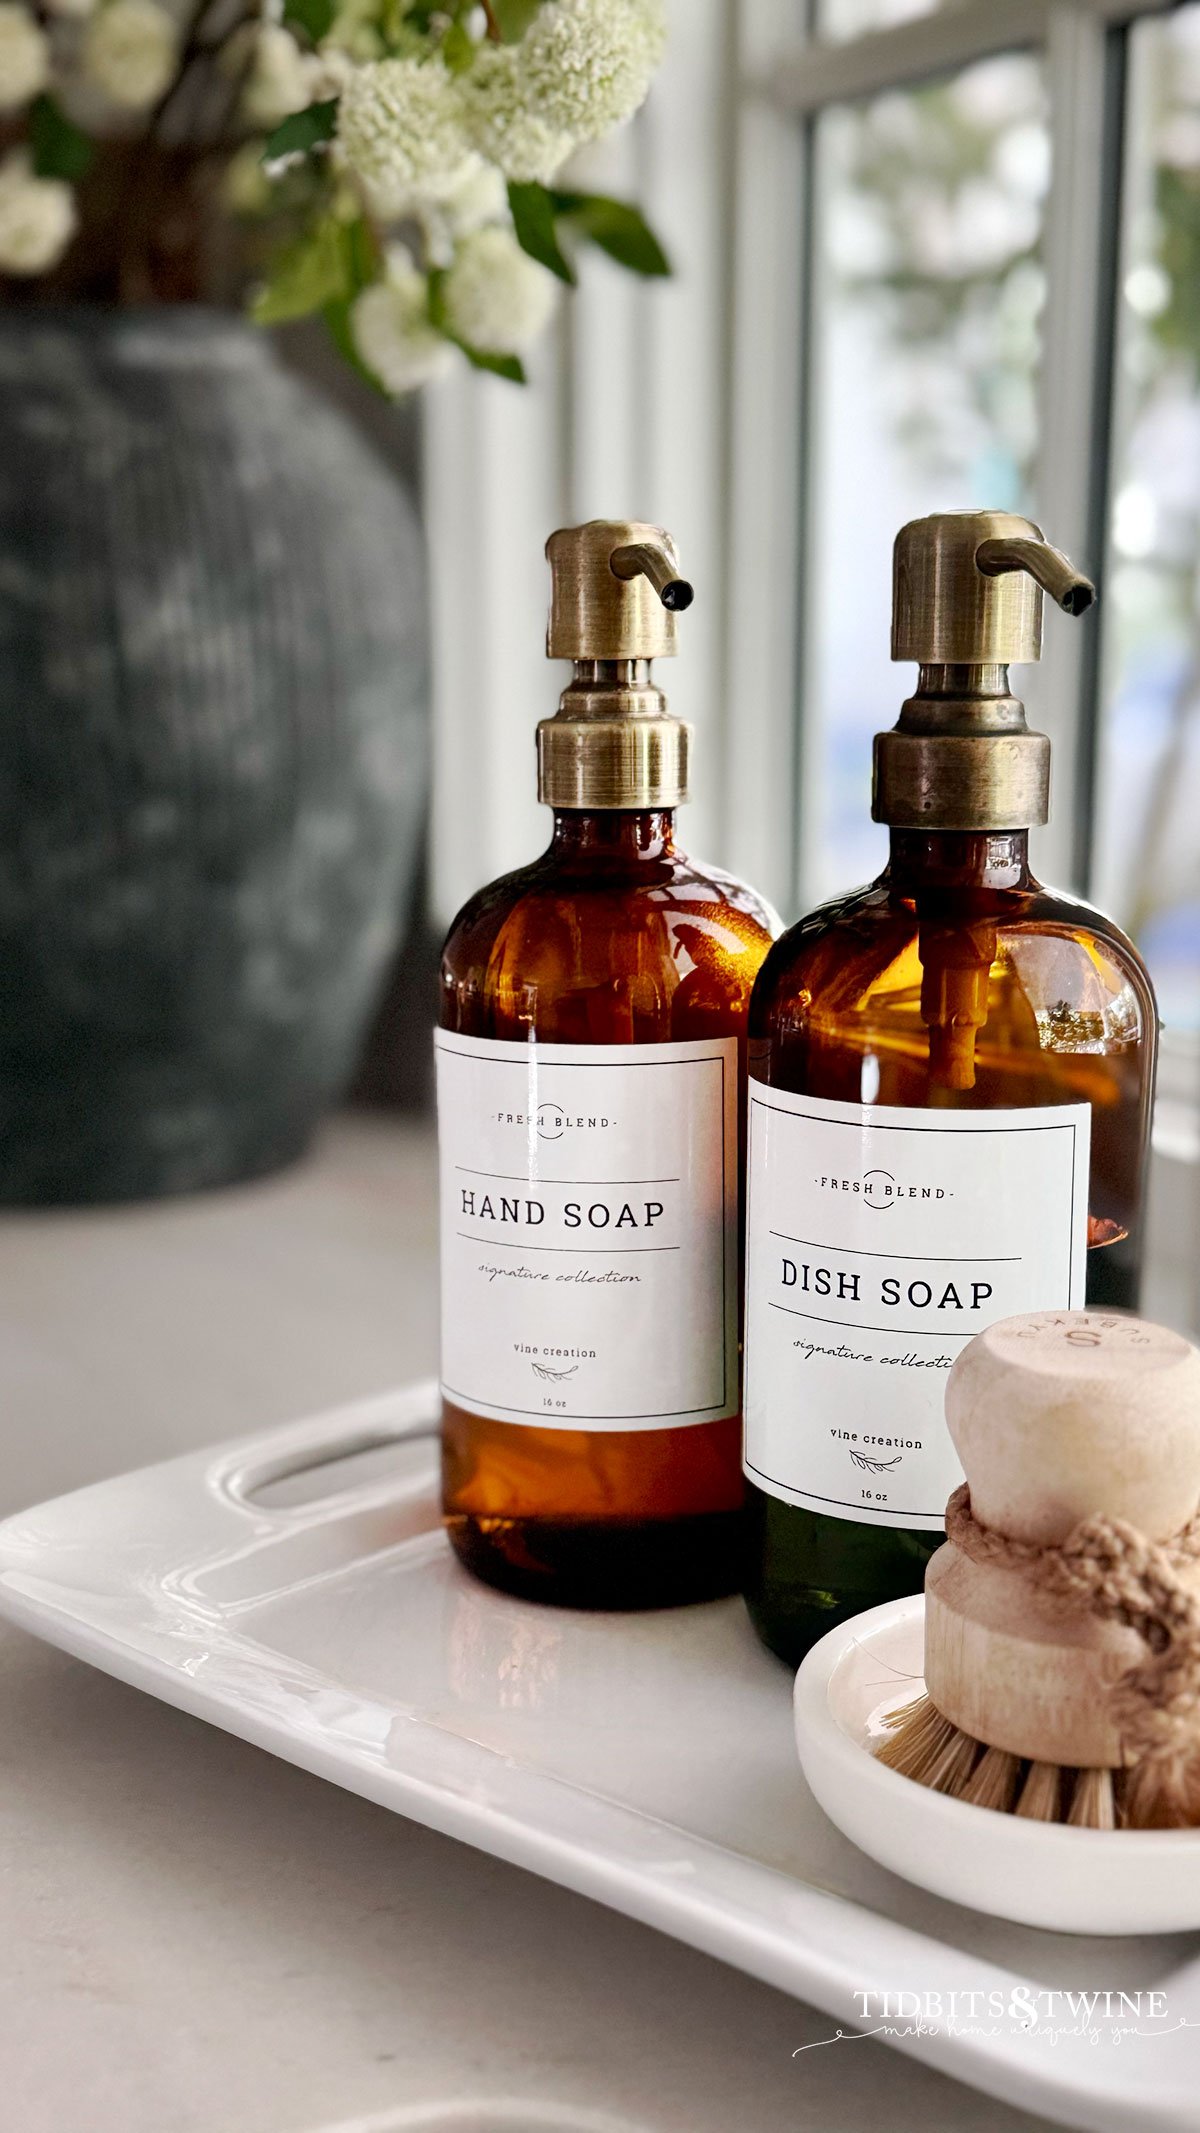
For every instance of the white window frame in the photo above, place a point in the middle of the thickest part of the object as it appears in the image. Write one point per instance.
(1079, 43)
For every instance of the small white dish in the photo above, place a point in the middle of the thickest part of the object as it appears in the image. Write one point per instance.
(1037, 1873)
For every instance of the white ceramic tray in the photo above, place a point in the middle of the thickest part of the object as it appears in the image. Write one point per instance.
(646, 1761)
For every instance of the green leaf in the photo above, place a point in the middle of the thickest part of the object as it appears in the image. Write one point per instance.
(314, 271)
(510, 367)
(436, 298)
(533, 221)
(513, 17)
(58, 148)
(361, 253)
(360, 267)
(302, 132)
(619, 228)
(405, 27)
(337, 319)
(457, 48)
(313, 16)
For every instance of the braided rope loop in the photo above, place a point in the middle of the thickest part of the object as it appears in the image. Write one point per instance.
(1106, 1566)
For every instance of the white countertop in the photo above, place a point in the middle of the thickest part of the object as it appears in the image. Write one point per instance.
(199, 1939)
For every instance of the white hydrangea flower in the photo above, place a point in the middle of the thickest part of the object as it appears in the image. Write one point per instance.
(280, 78)
(448, 212)
(401, 131)
(479, 196)
(391, 329)
(524, 143)
(24, 56)
(497, 299)
(130, 52)
(582, 67)
(37, 218)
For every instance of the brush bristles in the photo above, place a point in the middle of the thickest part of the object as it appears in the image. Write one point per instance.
(1040, 1796)
(954, 1766)
(994, 1780)
(917, 1738)
(923, 1745)
(1093, 1801)
(1163, 1794)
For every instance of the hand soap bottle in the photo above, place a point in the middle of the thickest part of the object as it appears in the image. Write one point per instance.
(590, 1057)
(951, 1077)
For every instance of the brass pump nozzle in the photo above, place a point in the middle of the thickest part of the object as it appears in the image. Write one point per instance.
(649, 559)
(968, 591)
(967, 599)
(1047, 566)
(616, 589)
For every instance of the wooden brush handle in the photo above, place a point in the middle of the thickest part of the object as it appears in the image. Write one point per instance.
(1056, 1416)
(1012, 1667)
(1059, 1414)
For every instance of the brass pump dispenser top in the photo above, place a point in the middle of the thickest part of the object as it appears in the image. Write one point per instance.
(967, 599)
(616, 590)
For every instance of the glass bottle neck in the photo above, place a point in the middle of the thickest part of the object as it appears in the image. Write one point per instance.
(959, 859)
(612, 836)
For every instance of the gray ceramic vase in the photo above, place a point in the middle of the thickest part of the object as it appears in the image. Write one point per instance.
(213, 751)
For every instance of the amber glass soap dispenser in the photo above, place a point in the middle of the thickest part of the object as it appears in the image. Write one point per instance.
(591, 1048)
(951, 1075)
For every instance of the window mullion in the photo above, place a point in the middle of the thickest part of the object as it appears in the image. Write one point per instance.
(951, 37)
(816, 74)
(1073, 421)
(764, 471)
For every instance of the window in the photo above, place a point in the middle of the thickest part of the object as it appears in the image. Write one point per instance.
(1002, 295)
(1146, 863)
(928, 294)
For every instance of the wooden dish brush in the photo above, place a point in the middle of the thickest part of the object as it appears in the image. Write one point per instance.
(1062, 1616)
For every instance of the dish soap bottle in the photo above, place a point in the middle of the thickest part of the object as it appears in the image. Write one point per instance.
(590, 1058)
(951, 1079)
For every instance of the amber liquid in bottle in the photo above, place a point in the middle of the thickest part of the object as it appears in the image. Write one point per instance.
(1055, 1007)
(612, 937)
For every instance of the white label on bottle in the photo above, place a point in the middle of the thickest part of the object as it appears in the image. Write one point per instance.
(589, 1248)
(879, 1240)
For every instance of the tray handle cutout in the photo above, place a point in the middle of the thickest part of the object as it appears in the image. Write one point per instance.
(357, 1465)
(364, 1450)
